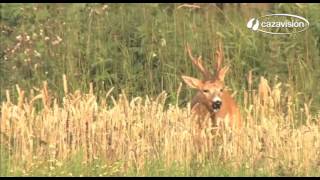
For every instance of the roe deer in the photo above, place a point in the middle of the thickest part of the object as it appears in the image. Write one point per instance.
(212, 98)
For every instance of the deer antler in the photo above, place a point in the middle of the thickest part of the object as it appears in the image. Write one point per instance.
(219, 57)
(198, 63)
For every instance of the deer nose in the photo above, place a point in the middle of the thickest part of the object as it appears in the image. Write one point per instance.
(216, 104)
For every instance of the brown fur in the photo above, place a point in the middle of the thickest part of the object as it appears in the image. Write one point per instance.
(210, 88)
(202, 108)
(207, 90)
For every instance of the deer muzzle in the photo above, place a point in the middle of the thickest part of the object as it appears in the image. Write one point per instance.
(216, 104)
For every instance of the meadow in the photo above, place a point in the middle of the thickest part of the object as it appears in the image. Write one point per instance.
(96, 90)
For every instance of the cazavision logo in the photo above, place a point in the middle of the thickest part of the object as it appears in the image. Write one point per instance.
(278, 24)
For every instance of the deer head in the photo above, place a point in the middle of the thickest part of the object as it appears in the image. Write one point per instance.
(212, 87)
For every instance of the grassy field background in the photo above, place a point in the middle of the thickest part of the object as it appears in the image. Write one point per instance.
(139, 51)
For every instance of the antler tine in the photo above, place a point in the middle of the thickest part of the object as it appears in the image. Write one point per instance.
(219, 57)
(198, 63)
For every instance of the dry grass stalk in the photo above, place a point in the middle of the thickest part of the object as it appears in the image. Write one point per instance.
(143, 129)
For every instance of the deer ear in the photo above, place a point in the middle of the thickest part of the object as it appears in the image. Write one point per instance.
(222, 73)
(192, 82)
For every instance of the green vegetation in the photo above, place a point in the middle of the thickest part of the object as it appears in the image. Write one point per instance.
(139, 49)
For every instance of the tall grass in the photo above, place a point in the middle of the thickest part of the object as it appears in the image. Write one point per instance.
(143, 125)
(140, 48)
(140, 136)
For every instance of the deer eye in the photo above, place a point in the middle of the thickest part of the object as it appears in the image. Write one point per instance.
(205, 90)
(221, 90)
